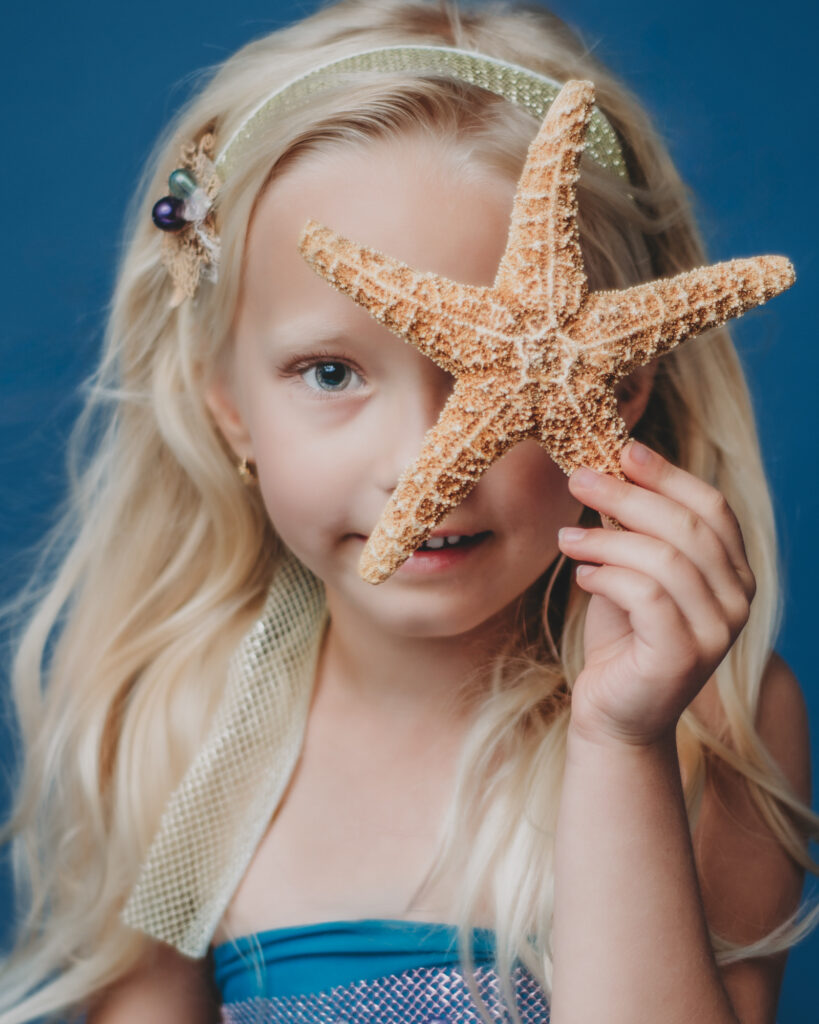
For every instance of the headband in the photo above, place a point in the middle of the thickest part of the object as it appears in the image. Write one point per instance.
(521, 85)
(190, 249)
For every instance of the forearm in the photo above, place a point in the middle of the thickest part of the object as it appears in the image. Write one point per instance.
(630, 941)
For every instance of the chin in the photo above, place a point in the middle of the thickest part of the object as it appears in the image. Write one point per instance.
(425, 618)
(417, 610)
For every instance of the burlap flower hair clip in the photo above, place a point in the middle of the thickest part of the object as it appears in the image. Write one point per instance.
(190, 245)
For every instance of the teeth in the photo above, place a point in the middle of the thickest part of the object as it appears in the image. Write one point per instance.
(436, 543)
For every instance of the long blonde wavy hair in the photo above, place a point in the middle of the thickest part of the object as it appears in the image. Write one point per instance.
(163, 558)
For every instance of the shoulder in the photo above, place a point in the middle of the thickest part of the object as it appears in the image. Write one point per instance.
(781, 721)
(782, 724)
(730, 819)
(749, 881)
(166, 988)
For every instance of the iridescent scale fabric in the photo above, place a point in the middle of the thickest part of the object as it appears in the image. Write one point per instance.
(369, 971)
(424, 995)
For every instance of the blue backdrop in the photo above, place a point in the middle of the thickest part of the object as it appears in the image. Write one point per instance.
(86, 89)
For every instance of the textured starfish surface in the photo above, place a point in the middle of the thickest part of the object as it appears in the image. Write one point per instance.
(536, 354)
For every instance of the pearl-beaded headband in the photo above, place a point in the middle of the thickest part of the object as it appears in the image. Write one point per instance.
(190, 248)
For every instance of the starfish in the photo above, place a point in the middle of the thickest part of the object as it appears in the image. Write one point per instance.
(536, 354)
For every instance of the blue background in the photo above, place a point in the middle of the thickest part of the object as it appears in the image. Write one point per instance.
(730, 83)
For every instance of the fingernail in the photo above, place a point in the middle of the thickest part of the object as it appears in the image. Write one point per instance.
(585, 570)
(569, 534)
(639, 452)
(586, 477)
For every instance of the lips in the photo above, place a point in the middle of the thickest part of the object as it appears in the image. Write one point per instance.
(448, 551)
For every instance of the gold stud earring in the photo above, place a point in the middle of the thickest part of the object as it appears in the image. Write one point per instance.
(247, 471)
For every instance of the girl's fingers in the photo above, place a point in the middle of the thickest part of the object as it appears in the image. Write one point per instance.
(674, 506)
(676, 574)
(699, 503)
(663, 636)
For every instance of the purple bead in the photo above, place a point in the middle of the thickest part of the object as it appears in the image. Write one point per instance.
(167, 213)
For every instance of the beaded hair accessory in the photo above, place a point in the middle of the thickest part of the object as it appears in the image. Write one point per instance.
(190, 248)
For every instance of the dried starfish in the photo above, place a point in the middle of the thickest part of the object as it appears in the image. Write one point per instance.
(536, 355)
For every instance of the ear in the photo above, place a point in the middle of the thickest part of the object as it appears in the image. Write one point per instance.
(633, 393)
(221, 402)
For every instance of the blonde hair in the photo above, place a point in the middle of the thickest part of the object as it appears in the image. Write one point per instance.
(163, 558)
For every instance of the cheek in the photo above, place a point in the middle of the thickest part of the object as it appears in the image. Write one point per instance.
(284, 482)
(306, 482)
(294, 487)
(534, 490)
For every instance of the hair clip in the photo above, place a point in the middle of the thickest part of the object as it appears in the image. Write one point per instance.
(190, 246)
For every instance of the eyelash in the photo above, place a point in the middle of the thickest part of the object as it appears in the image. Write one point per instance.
(299, 368)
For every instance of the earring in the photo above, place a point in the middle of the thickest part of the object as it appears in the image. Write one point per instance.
(247, 471)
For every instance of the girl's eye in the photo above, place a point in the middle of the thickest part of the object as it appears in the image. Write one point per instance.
(329, 375)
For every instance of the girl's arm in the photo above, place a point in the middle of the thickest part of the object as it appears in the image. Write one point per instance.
(630, 940)
(167, 989)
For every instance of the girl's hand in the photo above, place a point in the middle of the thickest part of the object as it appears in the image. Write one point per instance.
(671, 593)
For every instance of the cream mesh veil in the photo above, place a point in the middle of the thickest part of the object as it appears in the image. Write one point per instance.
(218, 814)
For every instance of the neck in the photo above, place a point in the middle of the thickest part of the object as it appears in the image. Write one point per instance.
(416, 678)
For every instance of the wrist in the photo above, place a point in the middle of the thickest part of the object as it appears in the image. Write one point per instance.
(584, 734)
(605, 757)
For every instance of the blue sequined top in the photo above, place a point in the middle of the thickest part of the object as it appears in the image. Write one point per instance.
(374, 971)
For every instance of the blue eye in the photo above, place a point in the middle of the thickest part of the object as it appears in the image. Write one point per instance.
(329, 375)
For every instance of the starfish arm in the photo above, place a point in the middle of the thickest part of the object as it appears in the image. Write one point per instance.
(474, 429)
(543, 265)
(581, 425)
(620, 331)
(453, 324)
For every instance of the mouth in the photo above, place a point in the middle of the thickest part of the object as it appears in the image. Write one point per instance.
(441, 553)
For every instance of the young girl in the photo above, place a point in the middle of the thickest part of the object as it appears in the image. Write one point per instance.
(491, 784)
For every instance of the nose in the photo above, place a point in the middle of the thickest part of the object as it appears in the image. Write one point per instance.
(410, 411)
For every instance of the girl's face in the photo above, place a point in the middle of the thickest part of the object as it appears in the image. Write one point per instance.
(332, 406)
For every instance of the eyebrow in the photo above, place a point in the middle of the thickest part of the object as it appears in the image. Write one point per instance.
(308, 332)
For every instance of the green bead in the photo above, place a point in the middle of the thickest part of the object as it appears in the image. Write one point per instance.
(182, 183)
